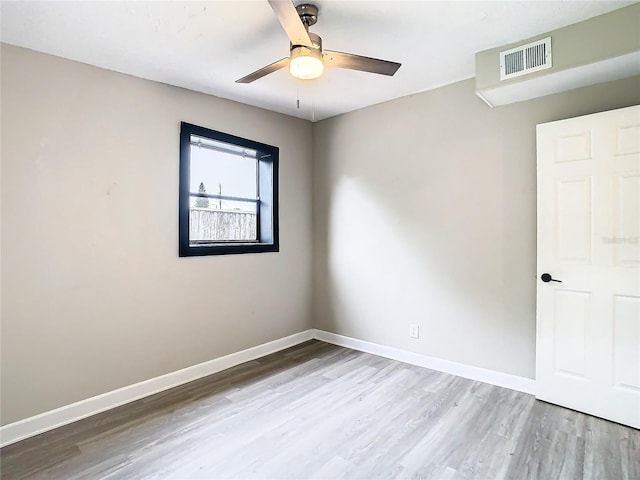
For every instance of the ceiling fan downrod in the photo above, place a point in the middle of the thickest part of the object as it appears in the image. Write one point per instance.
(308, 14)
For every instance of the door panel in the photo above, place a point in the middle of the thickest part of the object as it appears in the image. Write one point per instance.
(571, 336)
(574, 219)
(628, 224)
(588, 325)
(626, 343)
(573, 147)
(628, 139)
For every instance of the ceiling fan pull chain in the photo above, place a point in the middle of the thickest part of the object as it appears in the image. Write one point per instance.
(313, 100)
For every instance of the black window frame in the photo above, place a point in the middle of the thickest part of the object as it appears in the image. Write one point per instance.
(267, 201)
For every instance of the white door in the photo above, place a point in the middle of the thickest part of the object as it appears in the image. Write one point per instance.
(588, 325)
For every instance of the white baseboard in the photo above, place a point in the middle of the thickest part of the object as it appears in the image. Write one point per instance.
(46, 421)
(506, 380)
(43, 422)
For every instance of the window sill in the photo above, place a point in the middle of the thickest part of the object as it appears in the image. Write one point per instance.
(227, 249)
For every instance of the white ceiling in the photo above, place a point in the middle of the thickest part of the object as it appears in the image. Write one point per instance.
(206, 46)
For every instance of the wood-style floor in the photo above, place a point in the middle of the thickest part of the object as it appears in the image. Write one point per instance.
(321, 411)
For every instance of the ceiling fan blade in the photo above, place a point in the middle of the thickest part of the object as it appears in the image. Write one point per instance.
(290, 21)
(358, 62)
(264, 71)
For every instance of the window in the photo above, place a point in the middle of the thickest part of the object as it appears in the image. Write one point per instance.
(228, 194)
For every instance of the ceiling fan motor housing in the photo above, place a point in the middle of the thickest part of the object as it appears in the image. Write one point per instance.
(308, 14)
(316, 45)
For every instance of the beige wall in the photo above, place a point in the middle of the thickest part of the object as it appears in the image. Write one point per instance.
(94, 296)
(425, 212)
(423, 208)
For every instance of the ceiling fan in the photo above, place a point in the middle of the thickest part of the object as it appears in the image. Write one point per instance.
(307, 59)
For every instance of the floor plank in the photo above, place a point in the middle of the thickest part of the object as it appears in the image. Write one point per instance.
(326, 412)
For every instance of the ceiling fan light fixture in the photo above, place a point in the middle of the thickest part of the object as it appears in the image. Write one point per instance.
(306, 63)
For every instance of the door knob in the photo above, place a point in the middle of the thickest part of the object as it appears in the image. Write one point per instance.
(546, 278)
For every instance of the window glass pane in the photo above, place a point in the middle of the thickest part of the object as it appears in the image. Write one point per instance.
(219, 204)
(221, 173)
(219, 168)
(219, 225)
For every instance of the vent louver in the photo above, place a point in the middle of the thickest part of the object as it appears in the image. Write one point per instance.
(525, 59)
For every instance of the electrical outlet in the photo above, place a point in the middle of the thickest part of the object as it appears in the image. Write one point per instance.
(414, 331)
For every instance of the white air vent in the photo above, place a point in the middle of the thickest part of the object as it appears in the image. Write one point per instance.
(525, 59)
